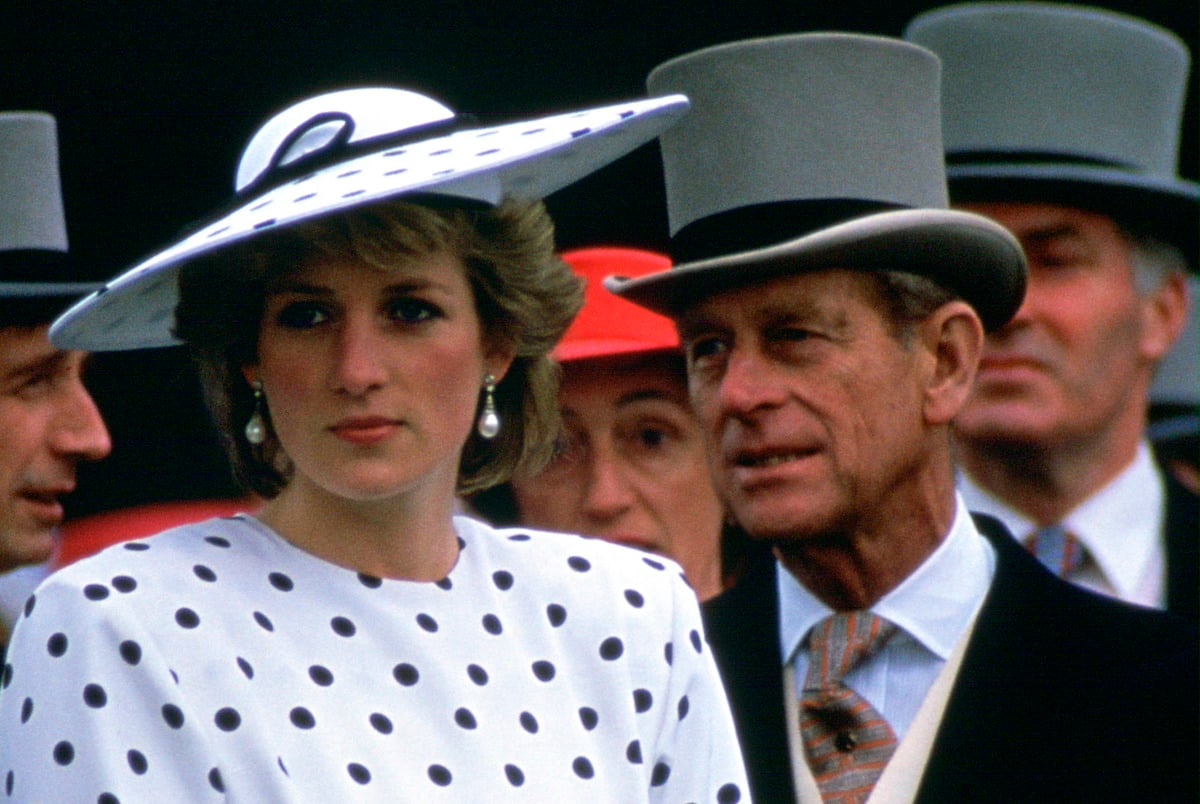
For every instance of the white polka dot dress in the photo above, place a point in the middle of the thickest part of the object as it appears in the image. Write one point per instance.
(217, 662)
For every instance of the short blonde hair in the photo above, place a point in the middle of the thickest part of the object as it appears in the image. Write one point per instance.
(525, 297)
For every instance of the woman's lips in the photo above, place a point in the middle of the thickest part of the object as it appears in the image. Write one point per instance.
(365, 431)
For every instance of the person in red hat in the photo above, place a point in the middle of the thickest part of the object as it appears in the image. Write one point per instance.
(630, 466)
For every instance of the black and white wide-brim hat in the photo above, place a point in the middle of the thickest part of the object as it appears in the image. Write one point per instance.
(355, 147)
(816, 151)
(1057, 103)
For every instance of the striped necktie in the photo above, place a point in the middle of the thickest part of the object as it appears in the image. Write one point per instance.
(1061, 552)
(847, 742)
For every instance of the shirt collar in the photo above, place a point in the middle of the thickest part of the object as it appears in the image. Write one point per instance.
(1119, 524)
(934, 605)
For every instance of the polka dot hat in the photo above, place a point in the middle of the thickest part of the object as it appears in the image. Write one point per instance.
(353, 147)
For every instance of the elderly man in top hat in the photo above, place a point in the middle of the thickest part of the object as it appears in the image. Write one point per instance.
(48, 421)
(1062, 124)
(833, 312)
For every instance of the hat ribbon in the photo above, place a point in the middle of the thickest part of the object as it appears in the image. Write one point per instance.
(32, 265)
(981, 157)
(756, 226)
(338, 148)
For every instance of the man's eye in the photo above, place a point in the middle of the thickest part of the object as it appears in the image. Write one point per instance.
(653, 437)
(302, 315)
(792, 334)
(36, 385)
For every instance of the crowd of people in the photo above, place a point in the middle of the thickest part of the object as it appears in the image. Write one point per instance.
(880, 485)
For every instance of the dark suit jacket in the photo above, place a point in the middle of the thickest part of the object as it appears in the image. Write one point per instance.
(1062, 696)
(1183, 550)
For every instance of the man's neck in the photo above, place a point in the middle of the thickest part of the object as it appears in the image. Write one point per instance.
(1046, 482)
(853, 569)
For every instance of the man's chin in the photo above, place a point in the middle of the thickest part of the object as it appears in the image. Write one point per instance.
(1012, 423)
(28, 545)
(779, 527)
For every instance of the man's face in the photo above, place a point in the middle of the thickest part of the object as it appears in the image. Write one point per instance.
(1077, 358)
(812, 407)
(48, 423)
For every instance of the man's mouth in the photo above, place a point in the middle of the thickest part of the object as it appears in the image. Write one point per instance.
(773, 459)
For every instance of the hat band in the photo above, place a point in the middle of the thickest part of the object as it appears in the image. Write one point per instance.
(341, 149)
(759, 226)
(980, 157)
(34, 265)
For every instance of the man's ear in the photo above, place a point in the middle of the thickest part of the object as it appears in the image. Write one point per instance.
(953, 337)
(1164, 315)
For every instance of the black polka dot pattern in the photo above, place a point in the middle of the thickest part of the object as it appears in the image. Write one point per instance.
(543, 667)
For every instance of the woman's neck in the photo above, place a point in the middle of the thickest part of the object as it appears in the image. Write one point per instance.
(407, 537)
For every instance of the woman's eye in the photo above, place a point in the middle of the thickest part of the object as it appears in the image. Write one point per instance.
(302, 315)
(412, 311)
(704, 348)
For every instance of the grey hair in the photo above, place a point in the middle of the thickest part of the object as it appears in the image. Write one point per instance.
(1154, 261)
(908, 299)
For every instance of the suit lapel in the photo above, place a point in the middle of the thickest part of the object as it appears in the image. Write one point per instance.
(743, 629)
(1182, 533)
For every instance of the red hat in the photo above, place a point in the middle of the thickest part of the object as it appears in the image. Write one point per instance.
(608, 325)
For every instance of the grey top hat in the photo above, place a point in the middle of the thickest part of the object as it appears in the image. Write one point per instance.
(814, 151)
(349, 148)
(34, 263)
(1065, 104)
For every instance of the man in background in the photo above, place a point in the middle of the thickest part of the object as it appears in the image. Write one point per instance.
(48, 421)
(1062, 124)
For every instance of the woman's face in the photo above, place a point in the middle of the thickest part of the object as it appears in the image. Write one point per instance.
(631, 468)
(373, 376)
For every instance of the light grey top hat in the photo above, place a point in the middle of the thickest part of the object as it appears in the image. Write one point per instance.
(33, 232)
(349, 148)
(813, 151)
(1065, 104)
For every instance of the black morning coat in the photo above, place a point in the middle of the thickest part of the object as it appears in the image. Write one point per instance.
(1062, 696)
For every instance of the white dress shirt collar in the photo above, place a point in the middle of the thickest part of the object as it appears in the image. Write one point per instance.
(1120, 525)
(934, 605)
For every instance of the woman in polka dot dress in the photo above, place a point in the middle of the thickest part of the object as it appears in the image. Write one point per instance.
(356, 640)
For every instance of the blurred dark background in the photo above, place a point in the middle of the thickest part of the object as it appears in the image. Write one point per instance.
(155, 100)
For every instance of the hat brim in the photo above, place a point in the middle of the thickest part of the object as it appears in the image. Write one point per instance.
(46, 290)
(966, 253)
(600, 348)
(1167, 208)
(528, 159)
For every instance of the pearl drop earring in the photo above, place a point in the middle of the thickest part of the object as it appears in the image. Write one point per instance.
(256, 428)
(489, 420)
